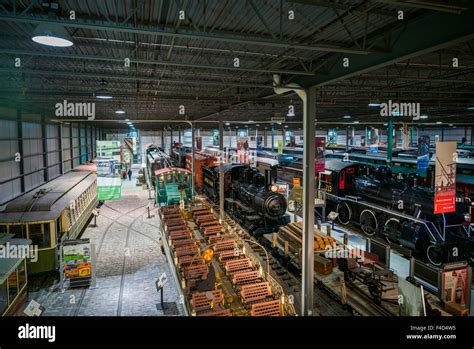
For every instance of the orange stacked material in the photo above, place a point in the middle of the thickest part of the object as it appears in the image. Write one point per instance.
(271, 308)
(255, 292)
(219, 237)
(203, 302)
(228, 255)
(246, 277)
(237, 265)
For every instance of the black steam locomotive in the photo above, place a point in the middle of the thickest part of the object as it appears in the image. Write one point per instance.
(249, 199)
(398, 210)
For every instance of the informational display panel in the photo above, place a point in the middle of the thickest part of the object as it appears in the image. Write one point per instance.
(77, 261)
(320, 144)
(410, 299)
(243, 150)
(215, 137)
(445, 177)
(280, 147)
(109, 150)
(109, 184)
(423, 155)
(455, 286)
(198, 143)
(259, 143)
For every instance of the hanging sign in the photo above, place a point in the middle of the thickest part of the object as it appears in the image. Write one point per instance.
(109, 184)
(445, 177)
(320, 144)
(423, 155)
(280, 147)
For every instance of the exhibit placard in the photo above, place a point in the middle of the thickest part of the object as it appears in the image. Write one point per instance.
(109, 184)
(77, 260)
(423, 155)
(445, 177)
(320, 144)
(259, 143)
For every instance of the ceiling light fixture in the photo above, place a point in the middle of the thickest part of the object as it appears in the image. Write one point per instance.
(356, 122)
(347, 116)
(52, 35)
(439, 122)
(423, 116)
(120, 111)
(102, 94)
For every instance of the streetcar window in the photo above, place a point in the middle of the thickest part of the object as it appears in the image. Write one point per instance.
(22, 274)
(39, 235)
(3, 229)
(12, 285)
(3, 297)
(18, 230)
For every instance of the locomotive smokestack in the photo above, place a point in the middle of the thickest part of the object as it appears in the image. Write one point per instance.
(268, 178)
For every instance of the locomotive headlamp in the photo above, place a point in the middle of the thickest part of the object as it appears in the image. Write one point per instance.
(274, 188)
(467, 217)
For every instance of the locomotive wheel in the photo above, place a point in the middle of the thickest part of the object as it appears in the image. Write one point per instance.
(434, 254)
(368, 222)
(391, 225)
(344, 213)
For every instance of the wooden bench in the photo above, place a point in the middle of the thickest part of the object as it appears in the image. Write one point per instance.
(255, 292)
(238, 265)
(246, 277)
(187, 251)
(271, 308)
(207, 300)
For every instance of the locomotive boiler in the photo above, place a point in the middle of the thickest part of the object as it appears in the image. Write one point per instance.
(397, 210)
(249, 199)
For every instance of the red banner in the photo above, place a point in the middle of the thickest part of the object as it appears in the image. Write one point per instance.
(445, 178)
(320, 145)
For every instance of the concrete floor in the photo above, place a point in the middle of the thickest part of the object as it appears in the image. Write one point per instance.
(128, 263)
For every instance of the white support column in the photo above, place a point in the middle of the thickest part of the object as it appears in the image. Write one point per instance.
(221, 170)
(309, 117)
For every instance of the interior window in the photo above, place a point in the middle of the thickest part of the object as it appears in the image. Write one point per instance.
(3, 297)
(18, 230)
(22, 274)
(12, 286)
(3, 229)
(39, 234)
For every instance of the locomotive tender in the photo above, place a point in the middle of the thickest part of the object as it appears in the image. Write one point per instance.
(248, 197)
(398, 210)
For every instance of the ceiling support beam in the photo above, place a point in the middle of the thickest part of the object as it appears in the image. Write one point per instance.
(179, 33)
(421, 36)
(146, 62)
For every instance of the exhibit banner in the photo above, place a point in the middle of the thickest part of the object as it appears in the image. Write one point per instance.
(77, 259)
(243, 150)
(455, 284)
(410, 299)
(259, 143)
(198, 143)
(445, 178)
(280, 147)
(423, 155)
(292, 141)
(109, 184)
(215, 137)
(109, 150)
(320, 144)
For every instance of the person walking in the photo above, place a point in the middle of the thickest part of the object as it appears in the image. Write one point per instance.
(129, 174)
